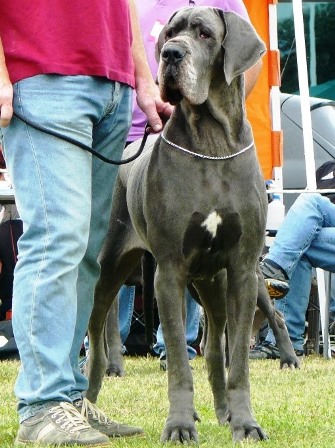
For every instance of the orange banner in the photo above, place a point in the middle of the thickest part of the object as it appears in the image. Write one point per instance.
(258, 102)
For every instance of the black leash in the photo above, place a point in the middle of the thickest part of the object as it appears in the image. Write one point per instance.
(82, 145)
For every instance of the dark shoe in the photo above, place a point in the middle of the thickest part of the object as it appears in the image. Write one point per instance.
(163, 361)
(99, 421)
(275, 279)
(59, 424)
(266, 350)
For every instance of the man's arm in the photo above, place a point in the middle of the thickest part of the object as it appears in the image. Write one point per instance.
(148, 97)
(6, 92)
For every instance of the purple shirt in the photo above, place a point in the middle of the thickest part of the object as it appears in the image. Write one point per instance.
(153, 14)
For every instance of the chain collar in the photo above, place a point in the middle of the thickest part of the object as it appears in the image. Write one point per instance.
(204, 156)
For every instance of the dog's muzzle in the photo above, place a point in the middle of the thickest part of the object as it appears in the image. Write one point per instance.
(172, 54)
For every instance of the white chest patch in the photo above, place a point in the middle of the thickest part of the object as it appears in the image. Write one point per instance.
(212, 222)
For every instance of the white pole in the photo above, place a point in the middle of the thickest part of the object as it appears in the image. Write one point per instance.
(308, 147)
(275, 92)
(304, 93)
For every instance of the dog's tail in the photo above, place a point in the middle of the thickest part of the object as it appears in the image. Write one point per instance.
(148, 274)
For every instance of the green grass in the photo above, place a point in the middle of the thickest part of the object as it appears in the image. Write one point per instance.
(295, 408)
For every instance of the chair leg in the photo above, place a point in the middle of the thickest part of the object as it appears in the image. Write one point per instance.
(324, 300)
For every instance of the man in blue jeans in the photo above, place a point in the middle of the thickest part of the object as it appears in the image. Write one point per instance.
(305, 240)
(70, 68)
(153, 16)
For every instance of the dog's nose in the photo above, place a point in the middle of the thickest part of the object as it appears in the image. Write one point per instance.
(172, 55)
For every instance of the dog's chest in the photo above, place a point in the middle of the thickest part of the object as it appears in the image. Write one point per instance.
(208, 240)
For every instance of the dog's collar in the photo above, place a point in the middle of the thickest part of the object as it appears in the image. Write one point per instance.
(204, 156)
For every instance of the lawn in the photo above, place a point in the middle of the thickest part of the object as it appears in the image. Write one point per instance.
(295, 408)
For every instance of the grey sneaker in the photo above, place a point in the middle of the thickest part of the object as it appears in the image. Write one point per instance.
(98, 420)
(59, 424)
(275, 279)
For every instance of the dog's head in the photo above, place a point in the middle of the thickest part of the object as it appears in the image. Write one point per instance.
(194, 46)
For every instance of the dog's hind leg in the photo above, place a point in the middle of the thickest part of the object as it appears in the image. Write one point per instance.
(241, 304)
(288, 357)
(212, 295)
(115, 364)
(120, 254)
(113, 341)
(113, 275)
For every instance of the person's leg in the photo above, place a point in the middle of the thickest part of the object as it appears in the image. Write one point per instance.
(126, 299)
(159, 346)
(192, 327)
(308, 215)
(192, 323)
(332, 301)
(109, 136)
(52, 181)
(294, 305)
(52, 185)
(321, 253)
(111, 123)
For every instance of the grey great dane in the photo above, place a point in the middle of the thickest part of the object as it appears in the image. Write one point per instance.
(196, 200)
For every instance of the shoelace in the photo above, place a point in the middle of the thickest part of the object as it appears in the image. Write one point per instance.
(89, 408)
(70, 418)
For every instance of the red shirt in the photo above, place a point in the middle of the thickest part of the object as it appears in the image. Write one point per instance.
(68, 37)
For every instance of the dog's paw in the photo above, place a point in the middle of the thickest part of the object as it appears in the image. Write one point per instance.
(244, 426)
(180, 435)
(222, 415)
(181, 430)
(253, 432)
(290, 362)
(115, 371)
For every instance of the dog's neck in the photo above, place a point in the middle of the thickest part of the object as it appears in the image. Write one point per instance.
(219, 125)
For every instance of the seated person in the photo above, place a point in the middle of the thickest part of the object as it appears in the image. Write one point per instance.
(306, 239)
(10, 231)
(126, 308)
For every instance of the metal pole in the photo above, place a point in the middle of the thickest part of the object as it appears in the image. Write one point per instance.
(304, 93)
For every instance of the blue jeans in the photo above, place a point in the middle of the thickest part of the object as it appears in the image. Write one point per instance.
(63, 195)
(126, 299)
(126, 307)
(306, 239)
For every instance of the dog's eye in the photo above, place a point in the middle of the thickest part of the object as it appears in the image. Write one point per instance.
(168, 35)
(204, 35)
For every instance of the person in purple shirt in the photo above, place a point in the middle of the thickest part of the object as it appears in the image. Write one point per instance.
(153, 14)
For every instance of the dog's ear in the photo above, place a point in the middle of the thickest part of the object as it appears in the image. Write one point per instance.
(161, 38)
(159, 44)
(242, 45)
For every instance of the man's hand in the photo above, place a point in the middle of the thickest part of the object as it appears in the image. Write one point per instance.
(150, 102)
(6, 102)
(6, 92)
(148, 97)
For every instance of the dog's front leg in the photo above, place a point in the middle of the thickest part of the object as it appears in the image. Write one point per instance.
(180, 423)
(241, 304)
(212, 295)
